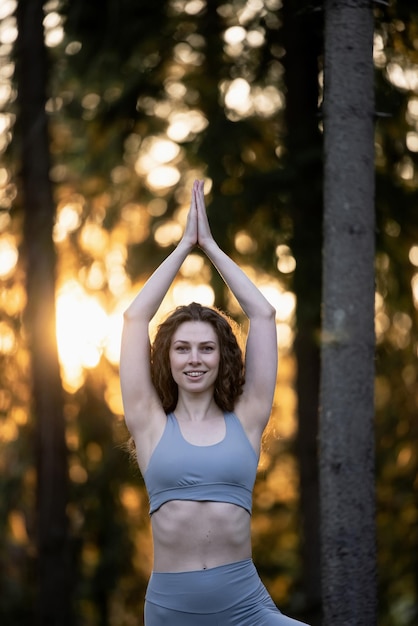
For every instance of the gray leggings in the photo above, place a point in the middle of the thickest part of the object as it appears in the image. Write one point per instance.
(229, 595)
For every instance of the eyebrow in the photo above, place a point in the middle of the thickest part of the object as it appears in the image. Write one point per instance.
(202, 343)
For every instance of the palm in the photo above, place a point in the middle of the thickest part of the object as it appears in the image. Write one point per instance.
(204, 234)
(190, 231)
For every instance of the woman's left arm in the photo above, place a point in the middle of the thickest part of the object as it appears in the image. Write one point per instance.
(261, 348)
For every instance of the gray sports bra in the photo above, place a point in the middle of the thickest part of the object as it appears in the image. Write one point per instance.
(222, 472)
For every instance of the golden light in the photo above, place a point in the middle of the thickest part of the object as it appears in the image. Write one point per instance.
(4, 176)
(7, 7)
(17, 527)
(95, 276)
(5, 93)
(82, 328)
(234, 35)
(193, 7)
(413, 255)
(414, 285)
(403, 77)
(54, 31)
(184, 53)
(413, 108)
(8, 256)
(406, 169)
(163, 177)
(13, 299)
(185, 292)
(168, 233)
(113, 395)
(113, 337)
(256, 38)
(130, 498)
(155, 153)
(175, 89)
(91, 101)
(157, 207)
(5, 122)
(379, 55)
(285, 336)
(412, 141)
(193, 265)
(164, 150)
(7, 338)
(244, 243)
(185, 125)
(68, 220)
(237, 96)
(93, 238)
(8, 29)
(135, 218)
(267, 101)
(8, 430)
(286, 262)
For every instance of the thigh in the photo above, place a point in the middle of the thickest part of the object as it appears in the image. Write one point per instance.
(263, 617)
(160, 616)
(258, 610)
(275, 618)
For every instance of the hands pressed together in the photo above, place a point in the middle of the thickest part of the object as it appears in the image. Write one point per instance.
(197, 231)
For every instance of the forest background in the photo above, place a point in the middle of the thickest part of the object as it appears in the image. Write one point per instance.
(141, 98)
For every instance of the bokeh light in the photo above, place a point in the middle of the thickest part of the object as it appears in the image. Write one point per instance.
(82, 329)
(8, 256)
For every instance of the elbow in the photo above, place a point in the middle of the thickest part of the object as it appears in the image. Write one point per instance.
(127, 315)
(130, 314)
(265, 315)
(269, 312)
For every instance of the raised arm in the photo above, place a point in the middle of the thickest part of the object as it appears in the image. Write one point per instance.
(138, 393)
(261, 348)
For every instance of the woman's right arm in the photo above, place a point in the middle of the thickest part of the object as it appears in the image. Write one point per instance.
(140, 399)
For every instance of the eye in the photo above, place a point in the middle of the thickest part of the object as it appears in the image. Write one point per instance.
(208, 348)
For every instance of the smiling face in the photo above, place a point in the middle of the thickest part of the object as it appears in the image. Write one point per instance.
(195, 356)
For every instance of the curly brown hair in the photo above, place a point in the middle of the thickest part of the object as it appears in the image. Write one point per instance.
(230, 378)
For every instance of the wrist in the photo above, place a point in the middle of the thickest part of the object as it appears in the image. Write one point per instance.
(208, 245)
(185, 246)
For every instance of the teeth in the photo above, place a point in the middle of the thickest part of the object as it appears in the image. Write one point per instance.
(194, 374)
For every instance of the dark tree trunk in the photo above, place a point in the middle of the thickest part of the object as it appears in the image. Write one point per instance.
(303, 47)
(347, 373)
(52, 536)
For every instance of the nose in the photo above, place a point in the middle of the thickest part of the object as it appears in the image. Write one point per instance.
(194, 355)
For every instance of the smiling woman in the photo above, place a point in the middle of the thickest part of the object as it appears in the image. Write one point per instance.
(197, 422)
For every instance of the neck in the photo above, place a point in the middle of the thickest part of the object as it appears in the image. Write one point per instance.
(197, 408)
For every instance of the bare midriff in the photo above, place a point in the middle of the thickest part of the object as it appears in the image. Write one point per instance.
(191, 536)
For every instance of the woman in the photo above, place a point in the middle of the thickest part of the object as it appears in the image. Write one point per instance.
(197, 428)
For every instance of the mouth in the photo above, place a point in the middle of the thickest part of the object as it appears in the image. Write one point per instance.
(194, 374)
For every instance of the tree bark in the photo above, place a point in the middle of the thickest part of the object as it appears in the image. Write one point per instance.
(52, 535)
(347, 371)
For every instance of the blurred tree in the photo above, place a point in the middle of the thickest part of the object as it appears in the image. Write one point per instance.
(347, 371)
(302, 36)
(54, 591)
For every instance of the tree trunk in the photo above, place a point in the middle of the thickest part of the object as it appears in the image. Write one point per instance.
(303, 45)
(347, 371)
(52, 536)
